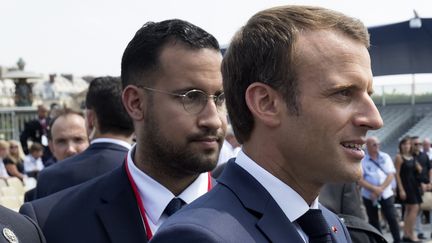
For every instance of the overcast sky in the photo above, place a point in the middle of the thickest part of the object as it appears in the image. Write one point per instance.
(88, 37)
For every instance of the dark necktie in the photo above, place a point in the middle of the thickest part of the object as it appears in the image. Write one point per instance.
(315, 226)
(173, 206)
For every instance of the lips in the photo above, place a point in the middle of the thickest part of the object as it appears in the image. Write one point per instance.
(207, 139)
(354, 148)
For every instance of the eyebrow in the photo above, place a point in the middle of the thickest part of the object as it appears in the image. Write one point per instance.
(337, 87)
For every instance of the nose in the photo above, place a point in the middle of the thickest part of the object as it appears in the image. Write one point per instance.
(368, 115)
(71, 148)
(211, 117)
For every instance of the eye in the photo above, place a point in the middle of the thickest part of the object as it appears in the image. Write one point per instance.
(345, 92)
(194, 96)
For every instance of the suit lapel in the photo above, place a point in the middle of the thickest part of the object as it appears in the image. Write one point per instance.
(337, 230)
(119, 211)
(271, 220)
(276, 226)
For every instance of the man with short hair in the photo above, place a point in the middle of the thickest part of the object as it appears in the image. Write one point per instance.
(172, 90)
(110, 129)
(36, 131)
(67, 135)
(378, 174)
(298, 82)
(33, 161)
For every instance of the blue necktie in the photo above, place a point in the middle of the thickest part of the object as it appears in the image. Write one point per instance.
(315, 226)
(174, 206)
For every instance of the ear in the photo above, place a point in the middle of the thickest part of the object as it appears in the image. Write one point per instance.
(264, 103)
(90, 119)
(133, 102)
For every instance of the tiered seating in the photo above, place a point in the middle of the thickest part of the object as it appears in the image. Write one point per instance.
(422, 128)
(395, 117)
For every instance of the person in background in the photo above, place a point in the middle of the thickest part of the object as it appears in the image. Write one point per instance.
(67, 135)
(407, 170)
(33, 161)
(14, 162)
(110, 130)
(36, 131)
(378, 173)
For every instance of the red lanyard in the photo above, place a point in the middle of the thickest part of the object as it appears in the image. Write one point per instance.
(141, 203)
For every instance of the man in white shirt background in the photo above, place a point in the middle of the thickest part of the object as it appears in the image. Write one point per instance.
(378, 174)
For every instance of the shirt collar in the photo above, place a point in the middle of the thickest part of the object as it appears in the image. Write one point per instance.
(280, 191)
(112, 140)
(156, 197)
(379, 157)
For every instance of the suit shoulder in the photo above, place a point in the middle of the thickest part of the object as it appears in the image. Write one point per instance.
(21, 226)
(187, 226)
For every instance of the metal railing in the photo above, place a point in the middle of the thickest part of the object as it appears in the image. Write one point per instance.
(13, 119)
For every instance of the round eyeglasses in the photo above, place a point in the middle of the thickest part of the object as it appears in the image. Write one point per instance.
(195, 100)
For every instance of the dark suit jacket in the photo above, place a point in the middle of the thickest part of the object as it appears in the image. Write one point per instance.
(96, 160)
(33, 131)
(101, 210)
(22, 227)
(238, 209)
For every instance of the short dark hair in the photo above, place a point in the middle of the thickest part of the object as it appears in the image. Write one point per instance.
(60, 113)
(264, 51)
(36, 147)
(104, 97)
(141, 56)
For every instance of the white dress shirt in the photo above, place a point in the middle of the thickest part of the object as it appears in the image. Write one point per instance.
(32, 164)
(291, 203)
(112, 140)
(156, 197)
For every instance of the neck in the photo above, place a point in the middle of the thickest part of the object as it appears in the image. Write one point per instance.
(279, 167)
(124, 138)
(373, 155)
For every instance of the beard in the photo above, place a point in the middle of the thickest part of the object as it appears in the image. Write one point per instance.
(175, 158)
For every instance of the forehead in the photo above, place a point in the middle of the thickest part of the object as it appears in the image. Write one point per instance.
(322, 55)
(68, 126)
(181, 67)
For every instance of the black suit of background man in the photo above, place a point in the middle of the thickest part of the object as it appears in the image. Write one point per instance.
(110, 130)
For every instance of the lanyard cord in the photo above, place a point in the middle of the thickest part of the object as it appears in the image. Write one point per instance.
(141, 203)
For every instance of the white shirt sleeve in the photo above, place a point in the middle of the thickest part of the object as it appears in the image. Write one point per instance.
(388, 165)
